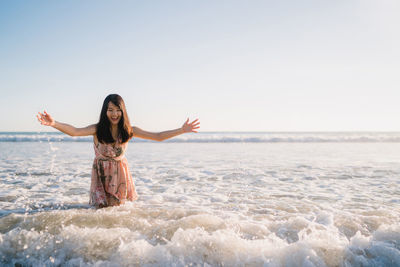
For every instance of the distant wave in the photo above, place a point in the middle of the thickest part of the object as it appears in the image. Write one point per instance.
(226, 137)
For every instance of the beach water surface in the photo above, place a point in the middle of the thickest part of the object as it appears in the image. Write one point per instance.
(212, 199)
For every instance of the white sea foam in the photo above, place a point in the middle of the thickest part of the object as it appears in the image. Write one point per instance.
(214, 204)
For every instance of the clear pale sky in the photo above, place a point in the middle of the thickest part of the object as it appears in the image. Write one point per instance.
(236, 65)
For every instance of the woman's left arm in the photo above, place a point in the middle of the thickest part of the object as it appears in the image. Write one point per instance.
(161, 136)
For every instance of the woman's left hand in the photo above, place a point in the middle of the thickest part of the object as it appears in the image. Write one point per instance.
(190, 127)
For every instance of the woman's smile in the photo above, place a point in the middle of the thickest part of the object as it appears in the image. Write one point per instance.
(114, 119)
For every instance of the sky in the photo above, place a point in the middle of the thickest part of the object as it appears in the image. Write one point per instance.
(312, 65)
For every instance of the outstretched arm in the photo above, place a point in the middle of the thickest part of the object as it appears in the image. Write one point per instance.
(161, 136)
(47, 119)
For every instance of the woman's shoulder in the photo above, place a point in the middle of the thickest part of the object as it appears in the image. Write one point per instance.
(90, 129)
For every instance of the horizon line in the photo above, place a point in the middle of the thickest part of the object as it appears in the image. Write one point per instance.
(231, 131)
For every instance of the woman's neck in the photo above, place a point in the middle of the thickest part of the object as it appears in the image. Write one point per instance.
(114, 131)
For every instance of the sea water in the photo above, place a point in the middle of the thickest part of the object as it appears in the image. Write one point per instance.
(206, 199)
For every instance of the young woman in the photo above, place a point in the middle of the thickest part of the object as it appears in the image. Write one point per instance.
(111, 182)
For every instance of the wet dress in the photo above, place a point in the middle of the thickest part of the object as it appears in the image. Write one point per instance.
(111, 182)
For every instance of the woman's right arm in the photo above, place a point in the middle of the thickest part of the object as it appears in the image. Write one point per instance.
(46, 119)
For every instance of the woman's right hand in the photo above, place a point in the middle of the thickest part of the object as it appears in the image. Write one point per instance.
(45, 119)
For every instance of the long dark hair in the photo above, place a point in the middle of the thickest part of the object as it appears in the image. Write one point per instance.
(103, 129)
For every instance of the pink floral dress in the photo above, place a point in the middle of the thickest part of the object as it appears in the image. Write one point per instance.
(112, 182)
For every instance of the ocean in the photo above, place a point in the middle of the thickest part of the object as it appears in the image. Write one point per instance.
(205, 199)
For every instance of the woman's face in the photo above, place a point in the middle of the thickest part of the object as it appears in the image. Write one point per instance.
(114, 113)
